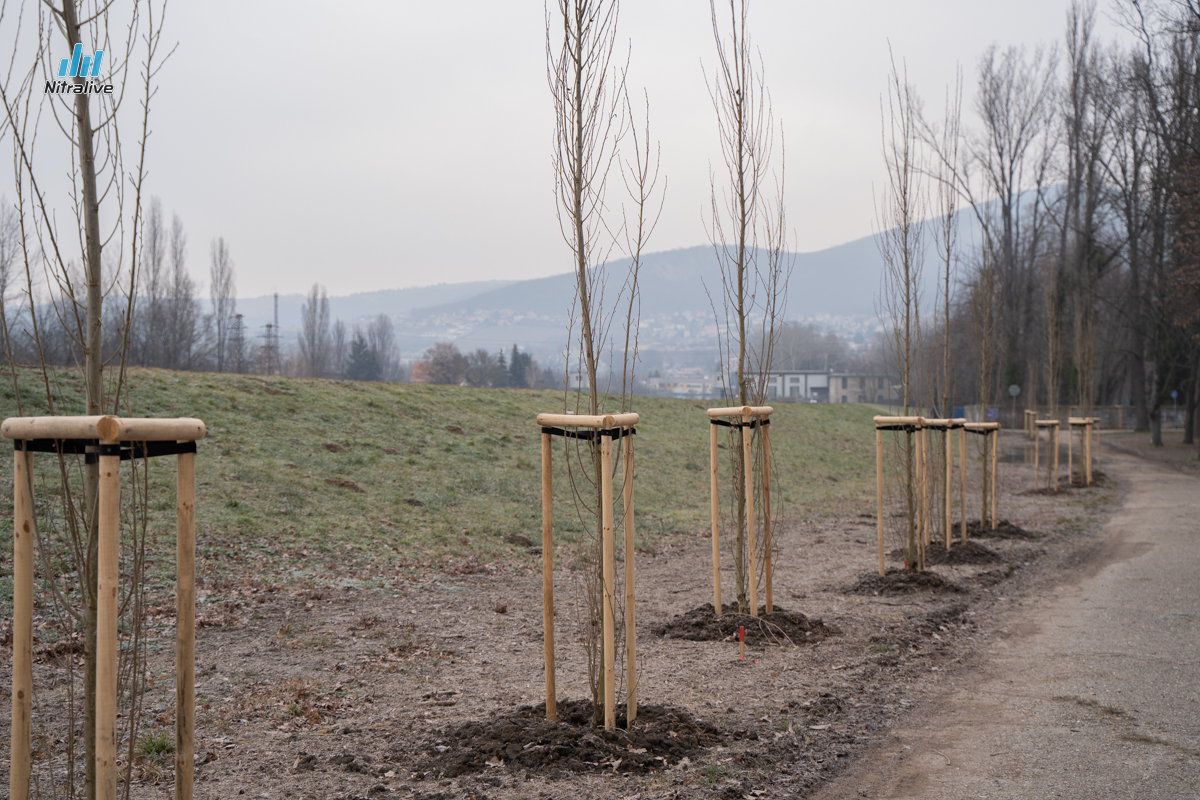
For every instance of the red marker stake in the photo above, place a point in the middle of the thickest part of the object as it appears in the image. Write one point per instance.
(742, 640)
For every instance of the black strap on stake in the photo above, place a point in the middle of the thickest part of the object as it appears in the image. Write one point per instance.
(905, 428)
(125, 450)
(755, 423)
(615, 433)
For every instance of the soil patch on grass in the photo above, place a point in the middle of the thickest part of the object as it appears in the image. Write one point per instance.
(1004, 530)
(779, 627)
(969, 553)
(899, 581)
(661, 736)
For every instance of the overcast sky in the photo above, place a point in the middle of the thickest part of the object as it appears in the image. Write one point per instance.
(371, 144)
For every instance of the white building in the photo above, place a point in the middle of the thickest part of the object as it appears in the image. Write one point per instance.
(820, 386)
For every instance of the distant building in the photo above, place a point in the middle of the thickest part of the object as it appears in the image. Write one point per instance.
(420, 372)
(687, 387)
(821, 386)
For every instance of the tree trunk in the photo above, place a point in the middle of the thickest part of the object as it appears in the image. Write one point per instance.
(93, 359)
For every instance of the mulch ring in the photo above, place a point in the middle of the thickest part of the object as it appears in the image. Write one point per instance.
(899, 581)
(779, 627)
(1004, 530)
(661, 736)
(969, 553)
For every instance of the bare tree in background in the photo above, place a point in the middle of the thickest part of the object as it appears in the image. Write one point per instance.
(10, 255)
(183, 320)
(381, 338)
(223, 295)
(748, 232)
(339, 348)
(314, 332)
(103, 227)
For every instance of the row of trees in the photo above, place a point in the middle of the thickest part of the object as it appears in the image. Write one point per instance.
(444, 364)
(1082, 175)
(366, 353)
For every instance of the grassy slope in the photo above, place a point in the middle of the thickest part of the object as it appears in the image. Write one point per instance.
(264, 505)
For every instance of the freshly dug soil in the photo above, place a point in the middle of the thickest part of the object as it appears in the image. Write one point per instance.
(899, 581)
(779, 627)
(1004, 530)
(969, 553)
(661, 736)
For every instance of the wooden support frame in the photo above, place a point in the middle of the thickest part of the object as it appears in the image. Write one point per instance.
(103, 436)
(747, 419)
(1051, 427)
(605, 427)
(991, 450)
(1030, 423)
(1087, 427)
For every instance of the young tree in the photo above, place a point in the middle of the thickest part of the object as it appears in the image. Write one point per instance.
(589, 102)
(314, 332)
(106, 174)
(899, 214)
(224, 300)
(748, 231)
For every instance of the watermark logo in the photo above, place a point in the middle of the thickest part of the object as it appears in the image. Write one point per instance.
(79, 66)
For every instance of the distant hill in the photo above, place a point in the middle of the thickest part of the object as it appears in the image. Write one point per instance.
(677, 313)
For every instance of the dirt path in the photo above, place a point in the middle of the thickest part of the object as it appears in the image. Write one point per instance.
(1094, 692)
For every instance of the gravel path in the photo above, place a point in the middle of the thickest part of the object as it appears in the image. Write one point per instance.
(1095, 692)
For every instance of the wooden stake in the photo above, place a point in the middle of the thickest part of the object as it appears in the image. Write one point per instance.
(962, 480)
(1087, 432)
(995, 454)
(922, 498)
(185, 623)
(1055, 458)
(22, 660)
(984, 495)
(1071, 454)
(548, 575)
(947, 526)
(879, 495)
(1037, 448)
(751, 549)
(716, 519)
(106, 625)
(630, 629)
(924, 495)
(610, 650)
(767, 539)
(1093, 452)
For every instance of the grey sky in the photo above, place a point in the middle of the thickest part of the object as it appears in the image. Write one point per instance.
(370, 145)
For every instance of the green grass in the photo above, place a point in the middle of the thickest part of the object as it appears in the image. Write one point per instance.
(269, 504)
(152, 745)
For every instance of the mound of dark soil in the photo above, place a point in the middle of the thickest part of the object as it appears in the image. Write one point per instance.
(969, 553)
(1004, 530)
(779, 627)
(660, 737)
(899, 581)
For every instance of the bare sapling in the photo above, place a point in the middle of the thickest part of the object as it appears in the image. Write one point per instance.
(748, 232)
(899, 212)
(94, 256)
(593, 120)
